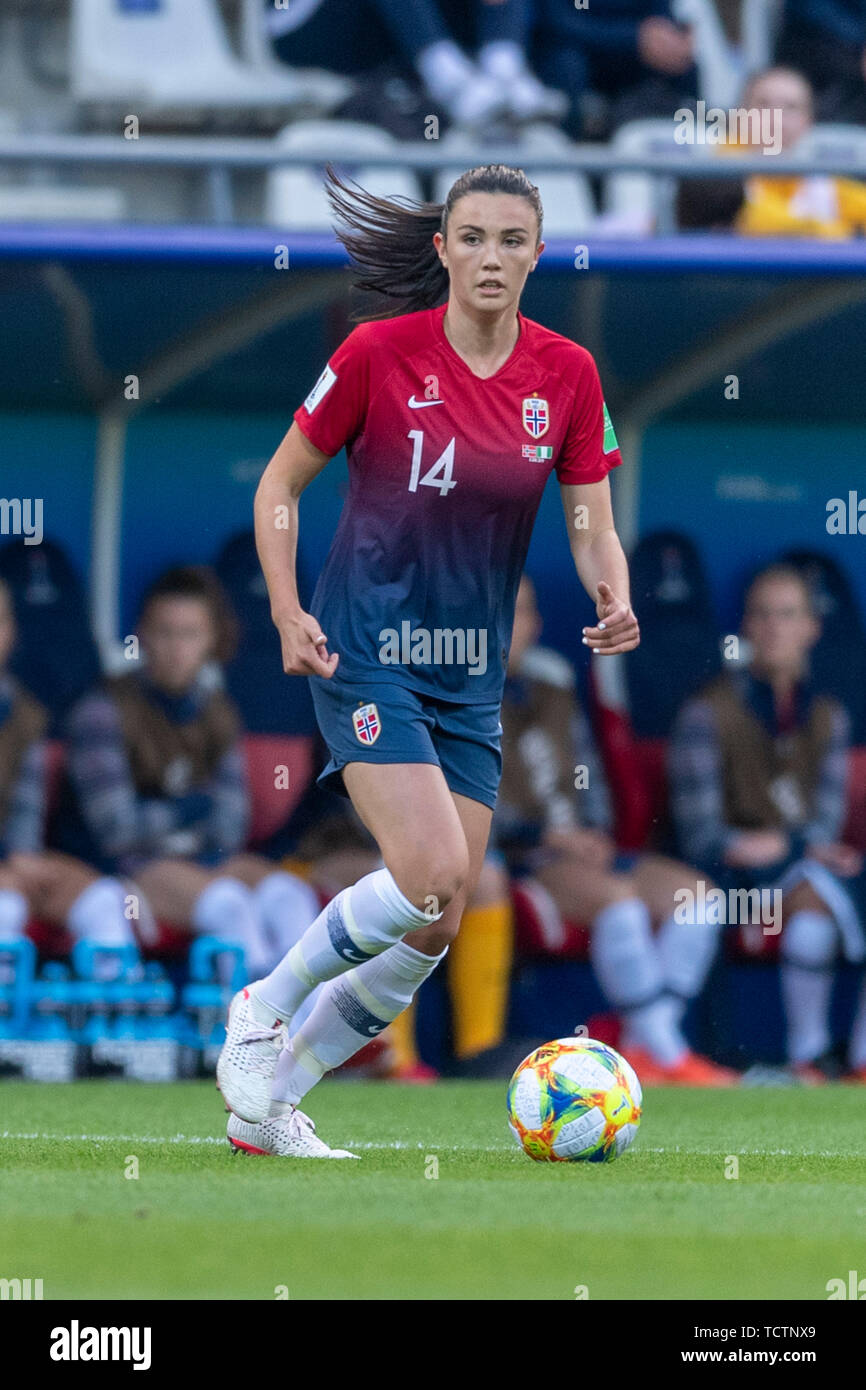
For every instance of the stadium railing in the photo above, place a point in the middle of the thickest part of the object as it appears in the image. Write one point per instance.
(218, 159)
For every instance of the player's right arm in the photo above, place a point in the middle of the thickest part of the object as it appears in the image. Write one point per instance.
(293, 467)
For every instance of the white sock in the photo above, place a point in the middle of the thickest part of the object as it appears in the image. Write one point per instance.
(443, 67)
(503, 60)
(97, 915)
(226, 908)
(14, 913)
(349, 1012)
(359, 923)
(686, 951)
(857, 1046)
(808, 952)
(624, 954)
(287, 905)
(626, 961)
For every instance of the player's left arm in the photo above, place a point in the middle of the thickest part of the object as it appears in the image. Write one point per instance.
(601, 566)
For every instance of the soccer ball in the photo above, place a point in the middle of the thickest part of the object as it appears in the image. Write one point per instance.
(572, 1099)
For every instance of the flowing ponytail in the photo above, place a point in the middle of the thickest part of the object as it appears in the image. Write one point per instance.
(390, 240)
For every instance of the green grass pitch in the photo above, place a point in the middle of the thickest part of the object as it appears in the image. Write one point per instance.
(661, 1222)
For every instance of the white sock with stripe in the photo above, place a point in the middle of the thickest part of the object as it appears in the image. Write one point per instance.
(358, 924)
(348, 1013)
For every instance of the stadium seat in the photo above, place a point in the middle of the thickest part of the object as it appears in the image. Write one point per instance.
(55, 655)
(272, 801)
(569, 208)
(839, 658)
(679, 649)
(631, 201)
(154, 55)
(296, 197)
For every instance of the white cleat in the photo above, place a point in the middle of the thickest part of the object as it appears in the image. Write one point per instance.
(285, 1136)
(245, 1070)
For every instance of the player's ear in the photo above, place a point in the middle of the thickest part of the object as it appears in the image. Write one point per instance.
(538, 250)
(439, 243)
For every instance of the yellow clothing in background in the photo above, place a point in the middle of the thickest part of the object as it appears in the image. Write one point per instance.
(479, 977)
(818, 206)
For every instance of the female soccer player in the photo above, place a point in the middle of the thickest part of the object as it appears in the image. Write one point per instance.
(453, 409)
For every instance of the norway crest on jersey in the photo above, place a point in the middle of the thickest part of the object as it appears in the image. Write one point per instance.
(368, 725)
(536, 416)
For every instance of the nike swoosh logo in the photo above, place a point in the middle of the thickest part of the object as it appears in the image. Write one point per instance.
(419, 405)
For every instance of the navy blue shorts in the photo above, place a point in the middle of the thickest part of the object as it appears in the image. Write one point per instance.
(382, 722)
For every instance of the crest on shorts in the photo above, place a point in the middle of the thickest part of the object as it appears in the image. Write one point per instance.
(367, 724)
(536, 416)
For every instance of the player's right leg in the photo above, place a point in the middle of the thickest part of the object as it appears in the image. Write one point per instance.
(411, 813)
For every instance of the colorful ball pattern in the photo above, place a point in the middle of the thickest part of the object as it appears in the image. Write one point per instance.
(574, 1099)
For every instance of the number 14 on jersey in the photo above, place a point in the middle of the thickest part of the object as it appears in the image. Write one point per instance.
(439, 474)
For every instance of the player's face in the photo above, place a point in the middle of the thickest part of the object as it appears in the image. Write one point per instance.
(527, 625)
(780, 626)
(7, 628)
(490, 248)
(178, 638)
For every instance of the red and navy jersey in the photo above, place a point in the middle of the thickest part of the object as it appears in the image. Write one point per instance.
(446, 472)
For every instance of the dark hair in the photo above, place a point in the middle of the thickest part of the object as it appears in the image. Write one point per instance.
(200, 583)
(390, 240)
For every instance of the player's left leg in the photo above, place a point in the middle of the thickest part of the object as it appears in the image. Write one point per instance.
(359, 1004)
(352, 1008)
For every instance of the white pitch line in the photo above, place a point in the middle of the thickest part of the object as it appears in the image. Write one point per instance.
(418, 1146)
(214, 1139)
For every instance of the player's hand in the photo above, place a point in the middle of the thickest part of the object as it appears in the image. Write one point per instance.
(839, 859)
(755, 849)
(617, 630)
(305, 650)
